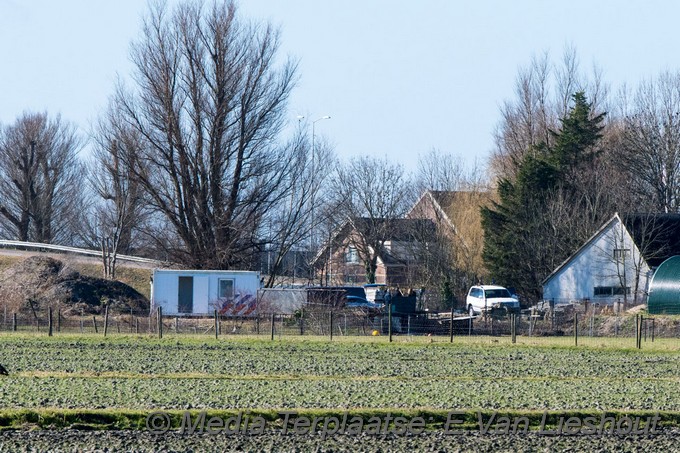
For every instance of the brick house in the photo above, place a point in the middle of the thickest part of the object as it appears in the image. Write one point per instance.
(457, 217)
(342, 259)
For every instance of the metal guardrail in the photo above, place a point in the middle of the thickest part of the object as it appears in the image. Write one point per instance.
(66, 249)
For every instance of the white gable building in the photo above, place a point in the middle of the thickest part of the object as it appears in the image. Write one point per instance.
(617, 262)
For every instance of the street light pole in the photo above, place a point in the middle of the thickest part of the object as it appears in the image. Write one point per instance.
(314, 135)
(312, 226)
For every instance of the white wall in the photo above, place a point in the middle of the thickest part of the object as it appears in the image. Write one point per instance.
(165, 287)
(204, 292)
(594, 266)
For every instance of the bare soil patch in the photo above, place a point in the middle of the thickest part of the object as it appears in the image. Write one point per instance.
(40, 281)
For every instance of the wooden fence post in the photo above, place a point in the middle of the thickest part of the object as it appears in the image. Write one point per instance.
(49, 321)
(160, 322)
(217, 325)
(14, 322)
(302, 321)
(639, 332)
(389, 321)
(513, 327)
(450, 326)
(272, 327)
(552, 314)
(106, 319)
(575, 329)
(94, 323)
(331, 316)
(58, 319)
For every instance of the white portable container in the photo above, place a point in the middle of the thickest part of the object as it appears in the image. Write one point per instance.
(201, 292)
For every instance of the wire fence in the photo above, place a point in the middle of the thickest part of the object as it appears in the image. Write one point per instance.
(578, 323)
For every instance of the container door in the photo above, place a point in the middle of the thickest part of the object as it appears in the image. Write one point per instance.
(185, 295)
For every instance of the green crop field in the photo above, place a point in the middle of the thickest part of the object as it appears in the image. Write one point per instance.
(56, 384)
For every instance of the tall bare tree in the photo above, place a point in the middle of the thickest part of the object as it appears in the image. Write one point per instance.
(543, 92)
(370, 193)
(40, 177)
(208, 102)
(650, 141)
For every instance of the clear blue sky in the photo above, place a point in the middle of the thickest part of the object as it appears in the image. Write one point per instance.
(397, 77)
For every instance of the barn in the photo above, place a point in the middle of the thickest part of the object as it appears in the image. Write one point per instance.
(618, 261)
(664, 289)
(201, 292)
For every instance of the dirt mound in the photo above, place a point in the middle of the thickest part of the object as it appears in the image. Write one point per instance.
(44, 281)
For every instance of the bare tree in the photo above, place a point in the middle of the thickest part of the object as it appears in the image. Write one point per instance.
(118, 213)
(208, 103)
(369, 193)
(650, 145)
(447, 172)
(40, 178)
(527, 120)
(543, 93)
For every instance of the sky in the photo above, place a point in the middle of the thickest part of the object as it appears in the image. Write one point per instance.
(398, 78)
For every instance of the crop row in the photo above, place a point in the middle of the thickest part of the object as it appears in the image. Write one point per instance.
(144, 357)
(448, 394)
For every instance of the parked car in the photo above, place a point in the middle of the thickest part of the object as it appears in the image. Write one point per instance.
(486, 298)
(354, 301)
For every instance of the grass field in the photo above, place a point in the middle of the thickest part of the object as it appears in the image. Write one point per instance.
(72, 381)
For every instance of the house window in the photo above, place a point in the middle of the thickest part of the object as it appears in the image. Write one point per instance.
(607, 291)
(352, 255)
(620, 254)
(225, 289)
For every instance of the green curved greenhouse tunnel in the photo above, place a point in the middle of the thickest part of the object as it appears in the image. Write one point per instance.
(664, 289)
